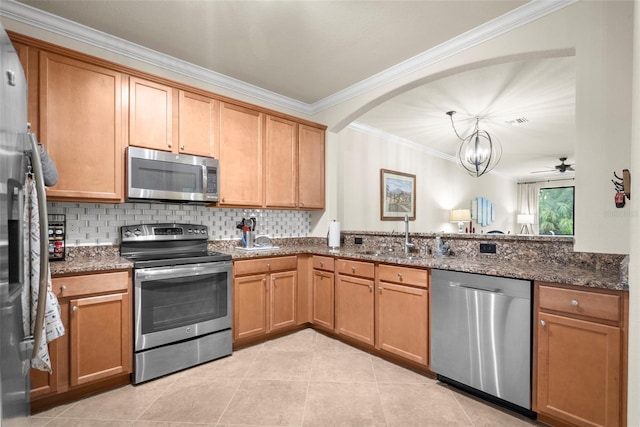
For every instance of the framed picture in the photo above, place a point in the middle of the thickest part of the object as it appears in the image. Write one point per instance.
(397, 195)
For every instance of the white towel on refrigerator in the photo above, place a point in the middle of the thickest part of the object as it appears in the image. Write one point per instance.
(53, 327)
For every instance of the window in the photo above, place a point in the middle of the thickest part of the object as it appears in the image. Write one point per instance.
(555, 211)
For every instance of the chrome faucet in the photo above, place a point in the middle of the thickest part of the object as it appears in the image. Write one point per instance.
(407, 244)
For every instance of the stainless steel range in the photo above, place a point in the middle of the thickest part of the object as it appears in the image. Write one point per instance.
(182, 298)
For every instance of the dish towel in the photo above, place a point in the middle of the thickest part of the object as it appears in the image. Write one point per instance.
(53, 327)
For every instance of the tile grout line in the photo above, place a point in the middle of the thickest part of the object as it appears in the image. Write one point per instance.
(239, 385)
(306, 397)
(375, 376)
(460, 404)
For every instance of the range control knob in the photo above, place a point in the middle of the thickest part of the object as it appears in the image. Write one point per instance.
(137, 232)
(127, 233)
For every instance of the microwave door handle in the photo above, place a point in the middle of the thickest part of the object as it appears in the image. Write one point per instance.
(44, 238)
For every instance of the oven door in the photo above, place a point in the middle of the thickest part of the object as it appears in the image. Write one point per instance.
(179, 302)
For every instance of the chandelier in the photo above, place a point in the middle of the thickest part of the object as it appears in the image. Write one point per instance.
(479, 152)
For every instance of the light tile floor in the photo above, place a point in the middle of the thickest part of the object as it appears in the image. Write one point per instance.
(303, 379)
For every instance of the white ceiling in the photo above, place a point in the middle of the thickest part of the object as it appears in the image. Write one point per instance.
(310, 50)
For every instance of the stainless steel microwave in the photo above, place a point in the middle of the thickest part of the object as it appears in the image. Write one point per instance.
(154, 175)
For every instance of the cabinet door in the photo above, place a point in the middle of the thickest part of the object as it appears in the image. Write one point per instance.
(100, 337)
(402, 321)
(355, 306)
(42, 382)
(310, 167)
(281, 154)
(283, 301)
(29, 60)
(323, 299)
(197, 124)
(240, 156)
(249, 306)
(81, 127)
(150, 115)
(578, 371)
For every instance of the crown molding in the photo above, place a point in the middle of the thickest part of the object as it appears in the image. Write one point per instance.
(54, 24)
(516, 18)
(43, 20)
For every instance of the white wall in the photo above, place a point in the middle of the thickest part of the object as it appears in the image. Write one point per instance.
(441, 185)
(601, 34)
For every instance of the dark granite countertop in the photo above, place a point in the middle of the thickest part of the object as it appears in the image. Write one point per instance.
(573, 275)
(104, 259)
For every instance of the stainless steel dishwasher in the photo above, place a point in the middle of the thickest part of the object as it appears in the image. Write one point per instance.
(481, 335)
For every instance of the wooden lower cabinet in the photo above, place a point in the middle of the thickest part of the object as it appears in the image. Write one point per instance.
(267, 301)
(97, 344)
(580, 342)
(401, 318)
(100, 335)
(355, 308)
(249, 306)
(323, 292)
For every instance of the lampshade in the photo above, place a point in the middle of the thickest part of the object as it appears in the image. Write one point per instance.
(479, 152)
(525, 219)
(457, 215)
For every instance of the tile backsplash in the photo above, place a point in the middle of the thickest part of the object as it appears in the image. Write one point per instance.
(99, 224)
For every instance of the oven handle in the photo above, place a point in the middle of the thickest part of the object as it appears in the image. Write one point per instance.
(171, 272)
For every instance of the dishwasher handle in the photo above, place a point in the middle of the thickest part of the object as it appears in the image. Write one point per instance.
(473, 288)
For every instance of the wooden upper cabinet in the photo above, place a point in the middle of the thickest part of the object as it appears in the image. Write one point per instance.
(281, 152)
(29, 60)
(81, 125)
(311, 163)
(150, 115)
(241, 157)
(198, 115)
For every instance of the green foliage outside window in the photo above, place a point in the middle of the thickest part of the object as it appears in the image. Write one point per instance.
(555, 211)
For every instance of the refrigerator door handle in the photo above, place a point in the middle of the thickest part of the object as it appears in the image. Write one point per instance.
(44, 239)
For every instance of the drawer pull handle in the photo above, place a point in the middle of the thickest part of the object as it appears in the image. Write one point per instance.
(574, 303)
(74, 308)
(543, 323)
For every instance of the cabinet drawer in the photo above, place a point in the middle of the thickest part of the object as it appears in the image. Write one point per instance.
(265, 265)
(403, 275)
(72, 286)
(355, 268)
(584, 303)
(323, 263)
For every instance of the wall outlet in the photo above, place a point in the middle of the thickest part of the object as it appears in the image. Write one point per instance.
(487, 248)
(357, 240)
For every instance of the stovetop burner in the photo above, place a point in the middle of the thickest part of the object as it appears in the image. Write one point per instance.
(155, 245)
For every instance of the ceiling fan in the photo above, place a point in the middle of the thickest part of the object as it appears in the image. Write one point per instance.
(562, 167)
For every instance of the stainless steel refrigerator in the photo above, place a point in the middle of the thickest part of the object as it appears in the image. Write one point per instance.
(17, 150)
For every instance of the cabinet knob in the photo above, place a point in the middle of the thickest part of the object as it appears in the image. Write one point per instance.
(574, 303)
(543, 323)
(169, 144)
(400, 276)
(269, 266)
(182, 147)
(74, 308)
(63, 288)
(380, 289)
(321, 264)
(353, 269)
(370, 287)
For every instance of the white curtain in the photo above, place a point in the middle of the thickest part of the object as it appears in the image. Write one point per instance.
(528, 194)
